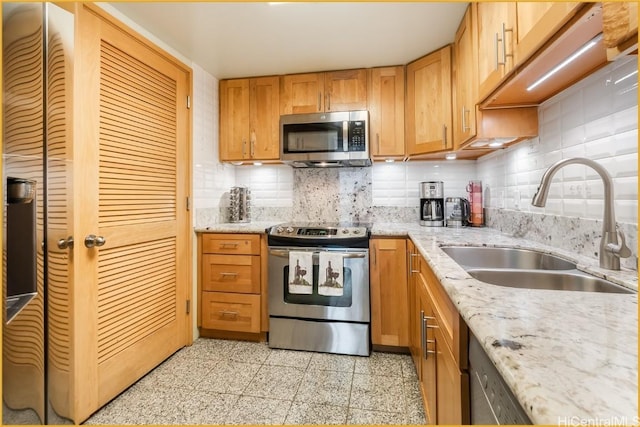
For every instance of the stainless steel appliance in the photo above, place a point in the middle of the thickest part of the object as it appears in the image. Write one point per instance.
(239, 204)
(319, 288)
(432, 203)
(491, 400)
(457, 211)
(325, 139)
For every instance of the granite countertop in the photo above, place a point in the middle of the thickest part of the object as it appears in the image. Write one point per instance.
(256, 227)
(569, 357)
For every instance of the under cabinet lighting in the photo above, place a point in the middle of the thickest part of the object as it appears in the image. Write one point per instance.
(566, 62)
(389, 160)
(257, 163)
(450, 156)
(621, 79)
(496, 144)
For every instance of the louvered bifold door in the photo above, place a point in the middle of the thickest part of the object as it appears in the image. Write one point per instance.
(141, 184)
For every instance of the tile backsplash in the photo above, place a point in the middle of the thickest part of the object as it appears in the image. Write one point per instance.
(596, 118)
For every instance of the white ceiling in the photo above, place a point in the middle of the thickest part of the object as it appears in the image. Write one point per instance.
(255, 39)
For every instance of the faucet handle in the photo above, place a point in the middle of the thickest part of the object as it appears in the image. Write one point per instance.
(621, 250)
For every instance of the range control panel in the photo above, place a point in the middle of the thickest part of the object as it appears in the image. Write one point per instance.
(318, 232)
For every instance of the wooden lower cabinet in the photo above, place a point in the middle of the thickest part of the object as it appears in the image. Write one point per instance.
(388, 283)
(438, 345)
(231, 281)
(231, 312)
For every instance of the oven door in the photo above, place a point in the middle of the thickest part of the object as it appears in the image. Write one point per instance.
(352, 303)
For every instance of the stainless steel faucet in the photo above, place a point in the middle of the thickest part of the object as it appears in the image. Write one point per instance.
(610, 250)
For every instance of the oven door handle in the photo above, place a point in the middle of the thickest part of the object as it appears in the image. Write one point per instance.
(283, 253)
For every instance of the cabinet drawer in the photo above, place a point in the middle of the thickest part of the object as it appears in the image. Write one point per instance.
(231, 273)
(231, 312)
(243, 244)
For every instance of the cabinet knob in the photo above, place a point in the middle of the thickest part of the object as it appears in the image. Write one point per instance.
(65, 243)
(92, 240)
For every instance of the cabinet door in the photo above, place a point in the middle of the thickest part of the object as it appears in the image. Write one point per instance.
(495, 49)
(302, 93)
(234, 120)
(345, 90)
(386, 112)
(428, 380)
(537, 22)
(131, 289)
(264, 104)
(465, 79)
(389, 319)
(451, 386)
(428, 105)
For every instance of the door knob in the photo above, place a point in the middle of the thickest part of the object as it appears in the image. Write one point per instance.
(92, 240)
(65, 243)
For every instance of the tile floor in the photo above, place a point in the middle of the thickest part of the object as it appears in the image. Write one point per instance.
(234, 382)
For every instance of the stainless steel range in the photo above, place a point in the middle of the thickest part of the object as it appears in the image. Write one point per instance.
(319, 288)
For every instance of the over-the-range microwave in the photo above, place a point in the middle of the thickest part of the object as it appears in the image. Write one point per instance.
(325, 139)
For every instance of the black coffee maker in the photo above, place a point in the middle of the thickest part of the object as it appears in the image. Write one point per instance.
(432, 204)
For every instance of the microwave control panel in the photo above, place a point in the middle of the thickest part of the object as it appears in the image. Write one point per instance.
(357, 135)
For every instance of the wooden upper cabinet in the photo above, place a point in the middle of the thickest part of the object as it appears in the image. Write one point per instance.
(346, 90)
(465, 72)
(537, 22)
(428, 103)
(323, 92)
(620, 28)
(302, 93)
(496, 23)
(264, 118)
(249, 119)
(386, 112)
(234, 119)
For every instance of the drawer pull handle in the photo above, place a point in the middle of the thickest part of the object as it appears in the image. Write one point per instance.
(229, 274)
(226, 245)
(224, 313)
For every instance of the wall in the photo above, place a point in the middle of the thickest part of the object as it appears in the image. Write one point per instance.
(211, 179)
(385, 192)
(596, 118)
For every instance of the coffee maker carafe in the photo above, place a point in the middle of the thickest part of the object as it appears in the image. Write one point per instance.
(432, 204)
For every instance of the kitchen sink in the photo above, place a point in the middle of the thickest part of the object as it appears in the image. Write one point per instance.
(488, 257)
(552, 280)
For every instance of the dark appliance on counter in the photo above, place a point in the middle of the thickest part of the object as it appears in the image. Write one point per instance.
(432, 203)
(335, 139)
(458, 211)
(319, 288)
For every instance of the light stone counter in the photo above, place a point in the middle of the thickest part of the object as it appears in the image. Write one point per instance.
(571, 358)
(256, 227)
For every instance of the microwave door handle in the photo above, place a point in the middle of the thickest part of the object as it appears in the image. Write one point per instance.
(345, 135)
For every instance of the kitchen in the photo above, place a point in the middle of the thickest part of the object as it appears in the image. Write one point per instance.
(590, 119)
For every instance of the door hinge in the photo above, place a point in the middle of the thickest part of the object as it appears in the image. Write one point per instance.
(188, 102)
(188, 203)
(188, 306)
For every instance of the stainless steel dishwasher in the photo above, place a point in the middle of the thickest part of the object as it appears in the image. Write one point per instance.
(492, 402)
